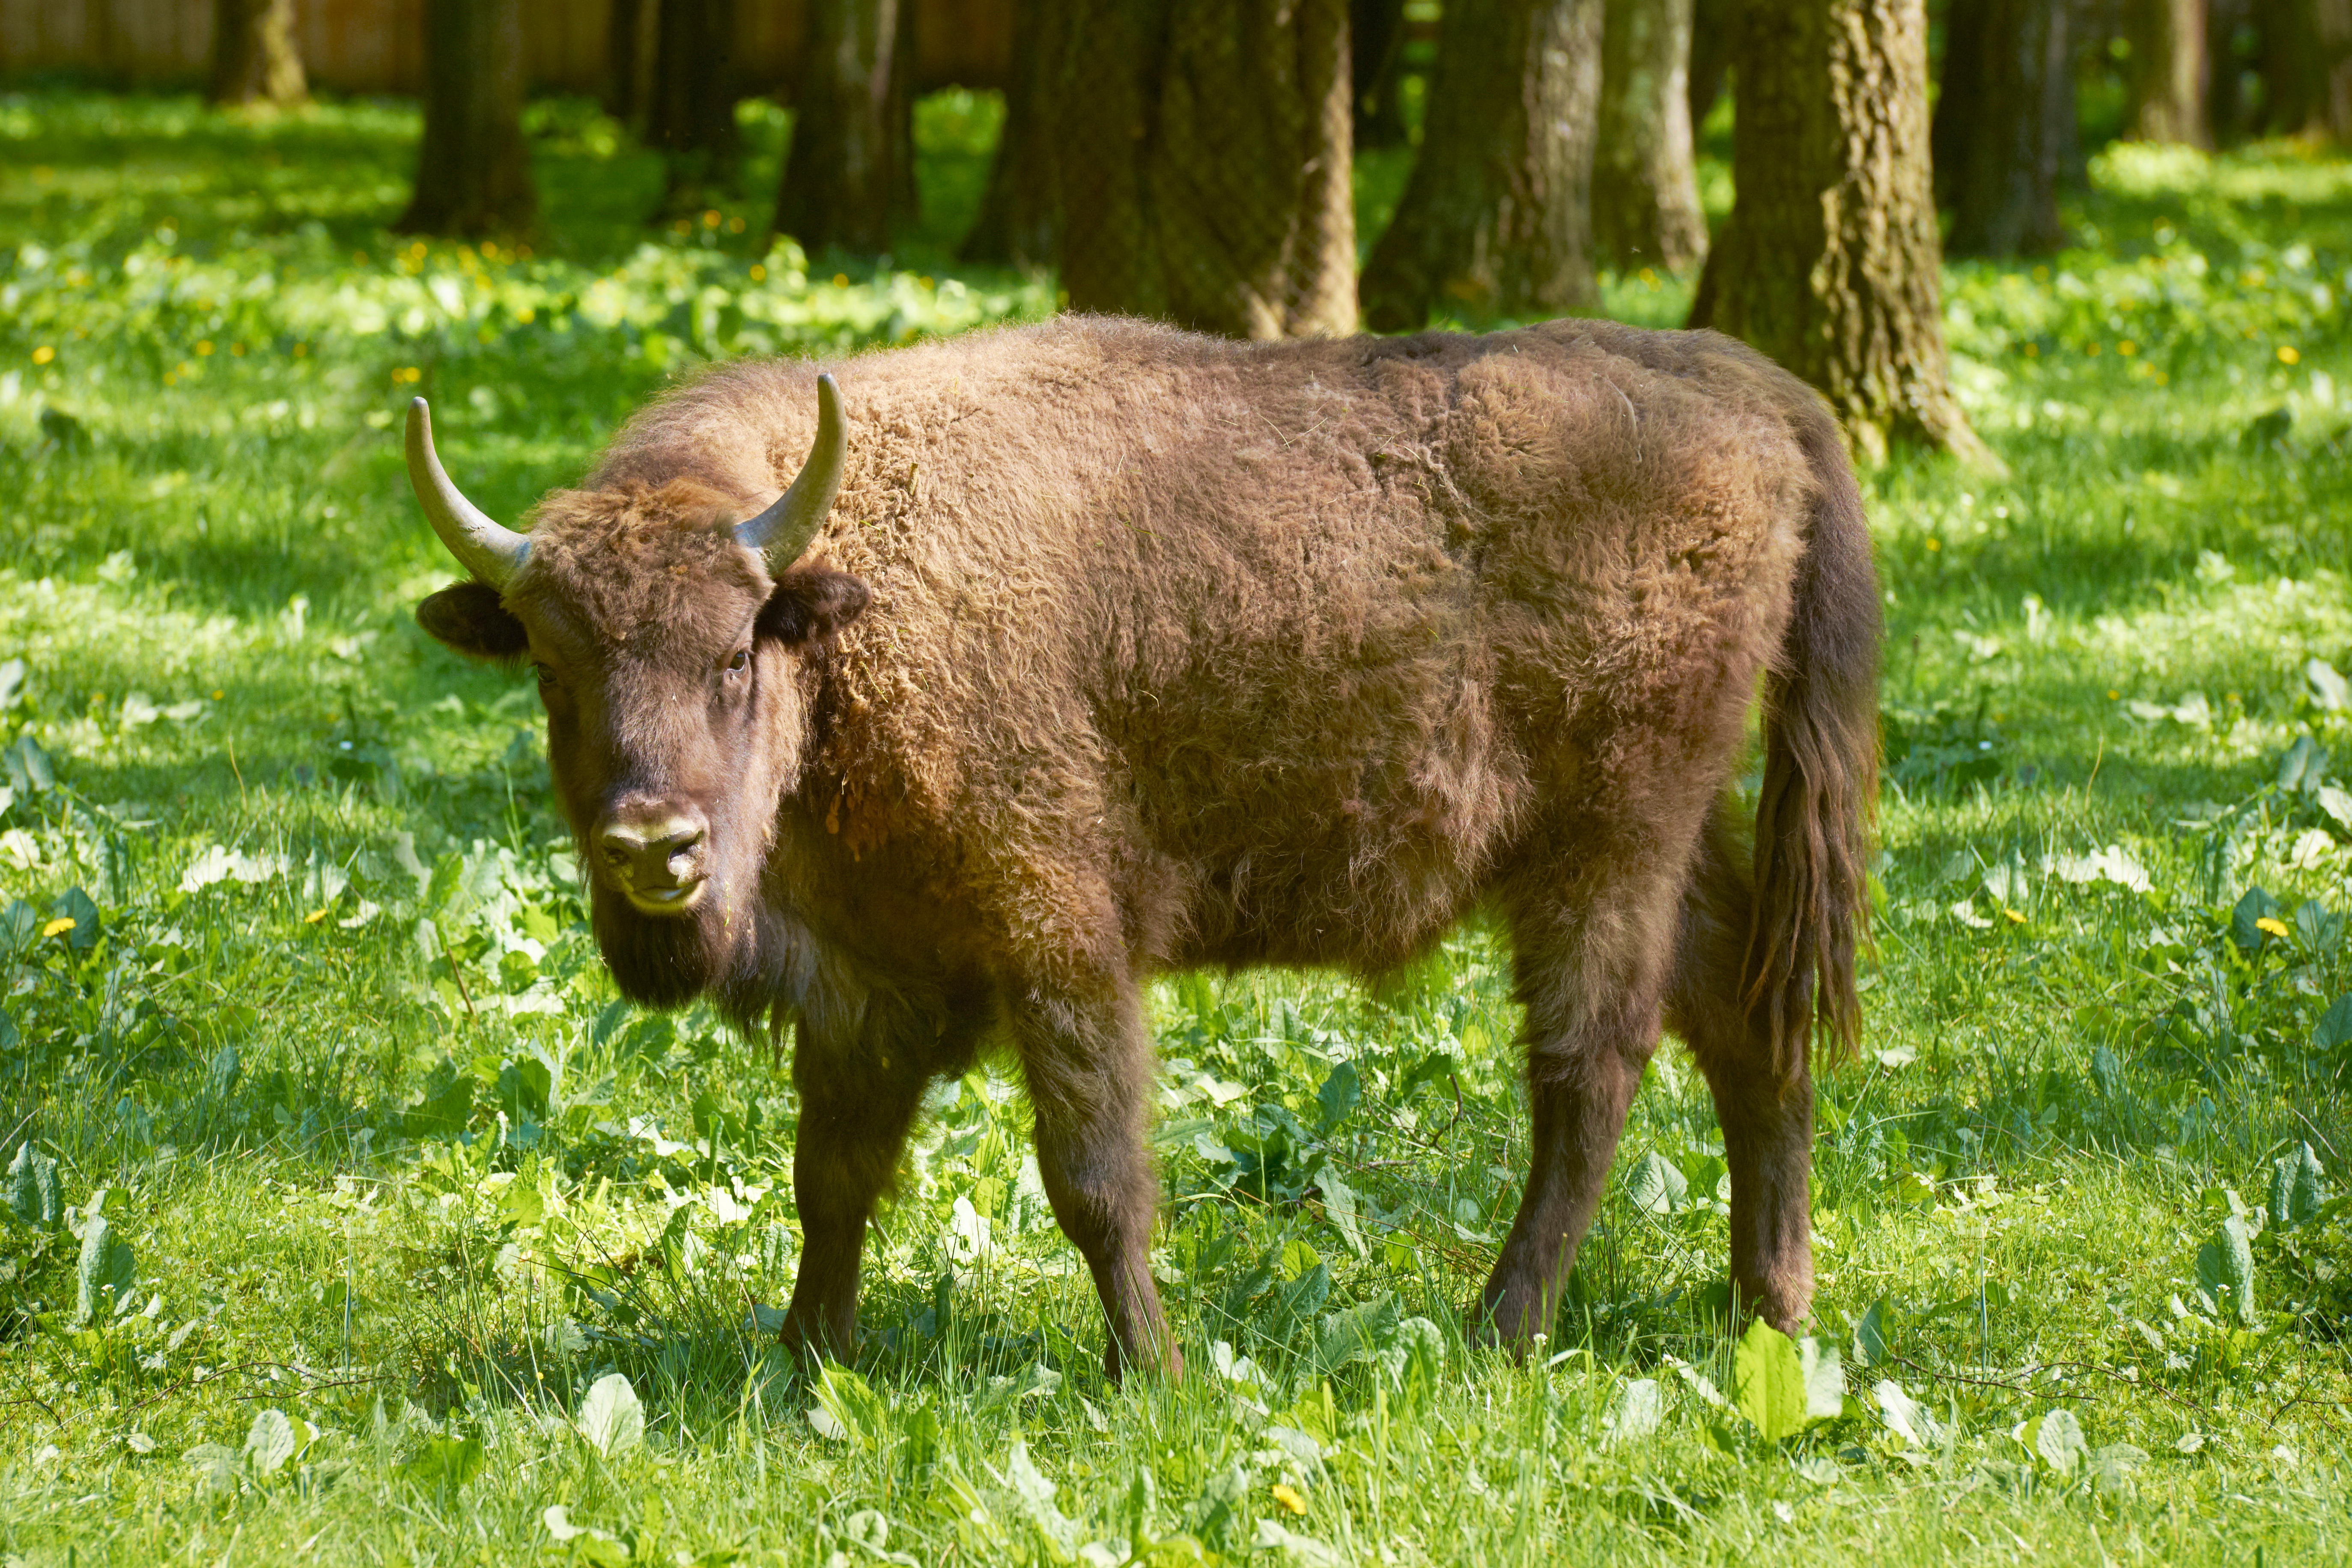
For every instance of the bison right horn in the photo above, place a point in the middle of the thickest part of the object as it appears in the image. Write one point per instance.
(785, 528)
(488, 549)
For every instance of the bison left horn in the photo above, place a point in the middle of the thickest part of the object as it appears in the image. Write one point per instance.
(489, 550)
(784, 530)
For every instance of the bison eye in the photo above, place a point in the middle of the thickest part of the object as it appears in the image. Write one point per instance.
(740, 662)
(546, 673)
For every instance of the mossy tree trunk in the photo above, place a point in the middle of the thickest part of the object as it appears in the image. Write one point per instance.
(849, 177)
(255, 60)
(1497, 218)
(1646, 210)
(2002, 124)
(1205, 156)
(473, 170)
(2168, 71)
(1830, 262)
(691, 115)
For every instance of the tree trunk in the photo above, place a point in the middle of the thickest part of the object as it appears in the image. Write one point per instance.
(632, 44)
(1830, 262)
(1020, 212)
(255, 60)
(1645, 207)
(849, 178)
(2167, 70)
(473, 170)
(2306, 66)
(1205, 157)
(691, 117)
(2000, 129)
(1497, 218)
(2228, 116)
(1710, 57)
(1376, 60)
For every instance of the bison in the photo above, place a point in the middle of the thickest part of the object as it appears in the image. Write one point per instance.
(1078, 652)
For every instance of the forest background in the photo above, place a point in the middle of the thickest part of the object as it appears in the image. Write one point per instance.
(350, 1214)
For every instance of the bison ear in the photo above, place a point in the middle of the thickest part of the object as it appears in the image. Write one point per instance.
(468, 618)
(811, 606)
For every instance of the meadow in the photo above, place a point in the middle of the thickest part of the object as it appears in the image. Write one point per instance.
(352, 1217)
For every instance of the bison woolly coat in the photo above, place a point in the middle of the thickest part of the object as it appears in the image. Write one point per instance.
(1123, 649)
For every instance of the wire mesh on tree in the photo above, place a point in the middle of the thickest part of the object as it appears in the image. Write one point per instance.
(1201, 155)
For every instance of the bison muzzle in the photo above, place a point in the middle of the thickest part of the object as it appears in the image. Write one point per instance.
(1080, 652)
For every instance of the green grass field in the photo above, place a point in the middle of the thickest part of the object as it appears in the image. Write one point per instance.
(358, 1222)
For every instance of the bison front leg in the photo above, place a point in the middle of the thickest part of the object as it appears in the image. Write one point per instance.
(858, 1096)
(1088, 1067)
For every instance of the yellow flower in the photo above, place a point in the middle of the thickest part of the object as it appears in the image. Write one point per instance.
(314, 917)
(2287, 355)
(66, 922)
(1287, 1496)
(2272, 924)
(2115, 696)
(44, 355)
(759, 273)
(2015, 917)
(1934, 543)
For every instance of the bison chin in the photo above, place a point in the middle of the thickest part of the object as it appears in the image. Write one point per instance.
(660, 961)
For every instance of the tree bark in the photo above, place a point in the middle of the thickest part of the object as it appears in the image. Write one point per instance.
(1497, 218)
(1020, 212)
(2168, 71)
(1830, 263)
(1376, 55)
(2228, 115)
(2001, 123)
(255, 60)
(473, 170)
(2306, 66)
(849, 177)
(1645, 208)
(1205, 157)
(691, 116)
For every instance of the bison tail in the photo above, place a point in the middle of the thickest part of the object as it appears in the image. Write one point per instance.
(1821, 782)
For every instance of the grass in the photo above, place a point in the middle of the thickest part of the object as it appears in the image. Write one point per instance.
(375, 1188)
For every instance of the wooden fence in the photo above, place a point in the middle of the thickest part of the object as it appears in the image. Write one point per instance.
(378, 46)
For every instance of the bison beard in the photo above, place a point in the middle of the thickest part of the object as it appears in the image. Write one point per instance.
(660, 961)
(1077, 653)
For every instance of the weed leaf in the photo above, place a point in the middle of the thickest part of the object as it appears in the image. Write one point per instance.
(268, 1442)
(611, 1417)
(1769, 1382)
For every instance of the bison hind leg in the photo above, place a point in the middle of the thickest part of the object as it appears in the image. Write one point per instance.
(1766, 1111)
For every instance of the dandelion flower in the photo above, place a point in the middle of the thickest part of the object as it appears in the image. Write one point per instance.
(1287, 1496)
(2272, 924)
(66, 922)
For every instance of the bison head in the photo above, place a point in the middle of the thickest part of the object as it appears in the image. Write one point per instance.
(670, 637)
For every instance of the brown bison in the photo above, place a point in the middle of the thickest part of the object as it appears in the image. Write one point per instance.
(1079, 652)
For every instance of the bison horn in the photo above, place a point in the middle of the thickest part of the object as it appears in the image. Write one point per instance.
(784, 530)
(487, 549)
